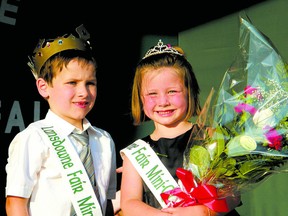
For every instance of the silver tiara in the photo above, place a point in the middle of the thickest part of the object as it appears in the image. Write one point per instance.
(161, 48)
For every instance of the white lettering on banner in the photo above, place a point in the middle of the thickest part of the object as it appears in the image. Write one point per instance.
(5, 9)
(16, 119)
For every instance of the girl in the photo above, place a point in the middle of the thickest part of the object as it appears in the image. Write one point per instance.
(165, 90)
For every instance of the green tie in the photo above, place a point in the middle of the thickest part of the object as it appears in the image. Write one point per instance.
(86, 158)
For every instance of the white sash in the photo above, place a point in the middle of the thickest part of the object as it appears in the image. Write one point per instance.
(81, 191)
(150, 168)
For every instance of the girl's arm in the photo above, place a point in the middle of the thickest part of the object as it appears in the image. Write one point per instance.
(132, 191)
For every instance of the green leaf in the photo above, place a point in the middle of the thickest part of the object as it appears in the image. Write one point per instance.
(200, 157)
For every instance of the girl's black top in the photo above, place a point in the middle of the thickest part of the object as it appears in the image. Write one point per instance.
(171, 152)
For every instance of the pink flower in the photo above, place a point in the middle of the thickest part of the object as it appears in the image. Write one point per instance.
(249, 90)
(245, 107)
(274, 138)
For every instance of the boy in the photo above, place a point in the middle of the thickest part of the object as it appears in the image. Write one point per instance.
(45, 175)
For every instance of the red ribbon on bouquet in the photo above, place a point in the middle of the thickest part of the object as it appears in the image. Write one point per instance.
(202, 194)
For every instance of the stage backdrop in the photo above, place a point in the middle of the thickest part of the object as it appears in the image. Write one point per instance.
(119, 44)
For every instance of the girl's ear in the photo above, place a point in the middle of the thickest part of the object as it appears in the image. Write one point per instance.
(42, 87)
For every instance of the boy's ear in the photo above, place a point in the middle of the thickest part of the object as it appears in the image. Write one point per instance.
(42, 87)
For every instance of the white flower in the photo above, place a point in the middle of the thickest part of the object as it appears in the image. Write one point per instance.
(240, 145)
(264, 118)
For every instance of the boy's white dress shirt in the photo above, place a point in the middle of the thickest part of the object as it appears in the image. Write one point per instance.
(34, 172)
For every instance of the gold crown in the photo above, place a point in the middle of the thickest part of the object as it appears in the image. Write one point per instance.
(161, 48)
(47, 48)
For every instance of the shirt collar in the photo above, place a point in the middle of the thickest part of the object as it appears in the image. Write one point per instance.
(65, 127)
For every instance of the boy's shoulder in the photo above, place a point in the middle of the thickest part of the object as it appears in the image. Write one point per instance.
(37, 124)
(101, 131)
(31, 132)
(33, 127)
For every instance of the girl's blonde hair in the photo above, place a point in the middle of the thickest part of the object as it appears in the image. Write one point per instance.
(186, 73)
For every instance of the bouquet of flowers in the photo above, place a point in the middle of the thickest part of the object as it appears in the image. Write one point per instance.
(242, 134)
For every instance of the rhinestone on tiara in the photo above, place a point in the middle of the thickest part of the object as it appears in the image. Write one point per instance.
(161, 48)
(48, 47)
